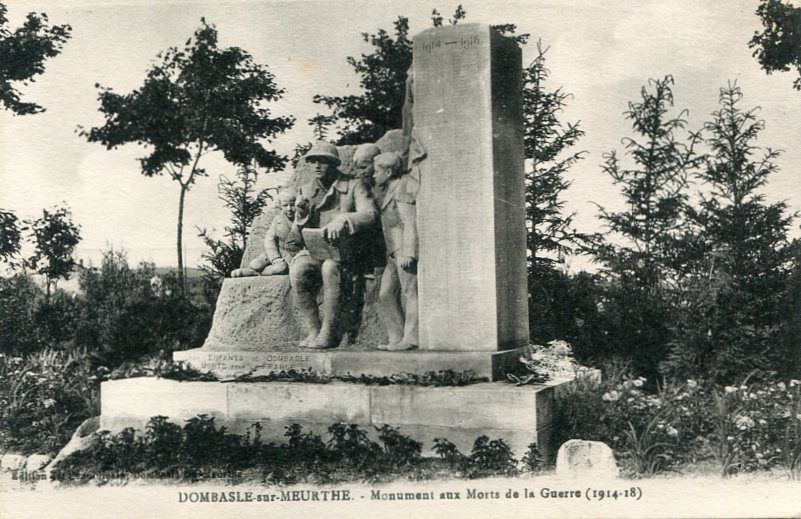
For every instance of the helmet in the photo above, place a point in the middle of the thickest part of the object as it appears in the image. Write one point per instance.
(324, 149)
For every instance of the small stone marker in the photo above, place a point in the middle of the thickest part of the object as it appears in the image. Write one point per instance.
(583, 458)
(471, 205)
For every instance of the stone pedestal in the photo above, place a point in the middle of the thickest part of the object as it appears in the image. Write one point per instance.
(471, 206)
(256, 330)
(519, 415)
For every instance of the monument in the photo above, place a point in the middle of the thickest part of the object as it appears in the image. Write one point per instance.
(473, 306)
(463, 136)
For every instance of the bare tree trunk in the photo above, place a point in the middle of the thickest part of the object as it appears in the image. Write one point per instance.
(179, 244)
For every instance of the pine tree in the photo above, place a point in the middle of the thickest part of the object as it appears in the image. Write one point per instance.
(640, 256)
(731, 305)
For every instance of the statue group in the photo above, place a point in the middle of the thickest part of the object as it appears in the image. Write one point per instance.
(339, 229)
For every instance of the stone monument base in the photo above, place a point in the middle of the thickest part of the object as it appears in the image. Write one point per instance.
(520, 415)
(256, 330)
(228, 364)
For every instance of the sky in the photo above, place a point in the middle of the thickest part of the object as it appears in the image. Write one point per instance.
(600, 52)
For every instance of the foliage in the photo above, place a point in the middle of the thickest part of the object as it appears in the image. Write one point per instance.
(131, 312)
(43, 398)
(246, 203)
(491, 458)
(382, 78)
(10, 236)
(533, 460)
(200, 450)
(542, 363)
(366, 117)
(729, 309)
(439, 378)
(23, 52)
(29, 321)
(757, 427)
(55, 237)
(19, 299)
(194, 101)
(546, 140)
(740, 428)
(636, 310)
(160, 365)
(778, 46)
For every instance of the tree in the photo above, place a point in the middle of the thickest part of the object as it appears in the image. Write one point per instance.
(778, 46)
(546, 139)
(245, 203)
(23, 52)
(557, 299)
(9, 236)
(368, 116)
(54, 237)
(194, 101)
(649, 229)
(732, 305)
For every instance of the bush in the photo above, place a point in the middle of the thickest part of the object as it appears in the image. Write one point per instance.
(43, 398)
(201, 450)
(740, 428)
(129, 313)
(19, 298)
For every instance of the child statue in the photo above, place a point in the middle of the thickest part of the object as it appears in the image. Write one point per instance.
(396, 195)
(281, 242)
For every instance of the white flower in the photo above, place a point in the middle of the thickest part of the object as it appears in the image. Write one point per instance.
(794, 382)
(781, 386)
(610, 396)
(744, 422)
(730, 389)
(638, 382)
(48, 402)
(672, 431)
(692, 384)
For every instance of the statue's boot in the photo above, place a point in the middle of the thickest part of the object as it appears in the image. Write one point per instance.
(332, 305)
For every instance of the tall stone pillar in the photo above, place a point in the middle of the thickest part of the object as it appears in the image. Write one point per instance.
(471, 206)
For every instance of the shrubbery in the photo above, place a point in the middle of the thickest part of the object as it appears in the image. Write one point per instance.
(129, 313)
(755, 426)
(200, 450)
(43, 398)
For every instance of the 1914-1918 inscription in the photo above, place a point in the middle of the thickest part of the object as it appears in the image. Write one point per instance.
(460, 43)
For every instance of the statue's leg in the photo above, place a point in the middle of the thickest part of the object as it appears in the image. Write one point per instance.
(391, 311)
(411, 327)
(305, 277)
(353, 285)
(332, 305)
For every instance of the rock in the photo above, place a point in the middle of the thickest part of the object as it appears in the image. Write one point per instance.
(80, 440)
(583, 458)
(254, 313)
(391, 141)
(12, 462)
(37, 461)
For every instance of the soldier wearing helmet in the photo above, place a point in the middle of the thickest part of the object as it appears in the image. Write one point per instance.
(343, 208)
